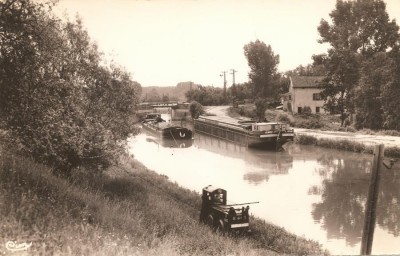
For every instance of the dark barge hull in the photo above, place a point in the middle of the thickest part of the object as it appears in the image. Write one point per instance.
(236, 134)
(173, 132)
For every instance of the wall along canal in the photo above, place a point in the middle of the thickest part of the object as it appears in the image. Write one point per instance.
(313, 192)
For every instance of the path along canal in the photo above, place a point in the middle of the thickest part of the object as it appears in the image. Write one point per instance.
(313, 192)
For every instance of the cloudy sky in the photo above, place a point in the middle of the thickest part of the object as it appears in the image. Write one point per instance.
(164, 42)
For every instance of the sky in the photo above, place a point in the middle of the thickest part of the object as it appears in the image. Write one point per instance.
(164, 42)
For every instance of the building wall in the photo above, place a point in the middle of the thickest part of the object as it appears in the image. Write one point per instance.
(302, 97)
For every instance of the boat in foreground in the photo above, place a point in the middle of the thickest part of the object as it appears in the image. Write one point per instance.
(265, 135)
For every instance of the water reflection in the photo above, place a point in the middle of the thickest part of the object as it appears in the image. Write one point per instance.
(170, 143)
(313, 192)
(263, 163)
(343, 195)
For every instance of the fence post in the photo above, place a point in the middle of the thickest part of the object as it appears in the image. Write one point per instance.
(372, 200)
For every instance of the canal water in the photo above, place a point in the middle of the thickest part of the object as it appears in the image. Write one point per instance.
(313, 192)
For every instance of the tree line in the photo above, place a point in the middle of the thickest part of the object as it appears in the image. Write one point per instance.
(59, 103)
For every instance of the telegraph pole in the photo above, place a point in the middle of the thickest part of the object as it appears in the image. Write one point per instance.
(233, 71)
(223, 73)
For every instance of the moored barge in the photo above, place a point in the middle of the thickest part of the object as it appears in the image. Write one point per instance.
(154, 124)
(265, 135)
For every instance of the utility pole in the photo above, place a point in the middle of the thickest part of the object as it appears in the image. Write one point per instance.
(372, 199)
(233, 71)
(223, 73)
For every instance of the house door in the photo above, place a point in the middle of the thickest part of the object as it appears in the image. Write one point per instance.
(299, 110)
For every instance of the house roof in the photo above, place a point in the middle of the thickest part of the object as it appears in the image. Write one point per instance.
(306, 81)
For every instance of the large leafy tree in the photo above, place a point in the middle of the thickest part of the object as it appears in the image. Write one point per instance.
(358, 31)
(58, 104)
(390, 93)
(374, 73)
(263, 74)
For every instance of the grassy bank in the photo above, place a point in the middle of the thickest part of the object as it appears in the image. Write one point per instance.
(128, 211)
(342, 144)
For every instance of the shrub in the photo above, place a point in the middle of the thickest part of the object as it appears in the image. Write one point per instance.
(306, 140)
(306, 110)
(195, 109)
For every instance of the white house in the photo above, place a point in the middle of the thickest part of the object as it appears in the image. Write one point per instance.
(304, 91)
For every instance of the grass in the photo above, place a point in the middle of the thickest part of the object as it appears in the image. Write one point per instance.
(127, 211)
(343, 144)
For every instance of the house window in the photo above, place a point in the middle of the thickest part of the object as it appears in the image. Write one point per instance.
(299, 110)
(316, 96)
(317, 109)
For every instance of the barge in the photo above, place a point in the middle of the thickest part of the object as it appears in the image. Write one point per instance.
(154, 124)
(264, 135)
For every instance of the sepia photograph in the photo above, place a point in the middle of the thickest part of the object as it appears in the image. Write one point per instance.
(199, 127)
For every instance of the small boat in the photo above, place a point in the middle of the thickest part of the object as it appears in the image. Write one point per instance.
(158, 127)
(264, 135)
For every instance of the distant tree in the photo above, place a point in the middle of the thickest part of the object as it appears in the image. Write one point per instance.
(153, 96)
(243, 91)
(195, 109)
(263, 65)
(206, 95)
(359, 29)
(165, 98)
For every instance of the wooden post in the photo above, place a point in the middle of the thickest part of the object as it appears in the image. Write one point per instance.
(372, 200)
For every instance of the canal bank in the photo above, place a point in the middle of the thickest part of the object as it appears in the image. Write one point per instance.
(129, 210)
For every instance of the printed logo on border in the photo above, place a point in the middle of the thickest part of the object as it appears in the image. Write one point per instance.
(14, 247)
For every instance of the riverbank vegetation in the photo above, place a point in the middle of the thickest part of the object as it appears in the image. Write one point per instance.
(128, 210)
(343, 144)
(60, 104)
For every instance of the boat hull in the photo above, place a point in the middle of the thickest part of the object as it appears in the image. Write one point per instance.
(173, 132)
(238, 135)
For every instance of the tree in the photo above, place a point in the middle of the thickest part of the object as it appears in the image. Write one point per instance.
(206, 95)
(342, 76)
(263, 69)
(58, 104)
(390, 93)
(243, 91)
(359, 29)
(261, 106)
(195, 109)
(374, 72)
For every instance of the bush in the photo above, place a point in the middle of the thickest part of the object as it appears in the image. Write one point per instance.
(306, 110)
(195, 109)
(306, 140)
